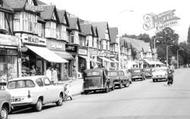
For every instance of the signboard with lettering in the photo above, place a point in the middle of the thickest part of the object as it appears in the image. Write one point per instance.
(56, 45)
(31, 39)
(160, 21)
(82, 51)
(71, 48)
(9, 40)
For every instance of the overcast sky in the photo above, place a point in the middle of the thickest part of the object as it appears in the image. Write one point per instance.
(127, 15)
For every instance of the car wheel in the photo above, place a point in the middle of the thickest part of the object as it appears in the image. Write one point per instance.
(38, 105)
(154, 80)
(4, 113)
(60, 100)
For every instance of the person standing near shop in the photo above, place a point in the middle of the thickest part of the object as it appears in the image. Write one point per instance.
(33, 71)
(54, 75)
(49, 73)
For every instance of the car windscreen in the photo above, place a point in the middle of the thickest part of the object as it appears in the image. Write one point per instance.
(20, 84)
(112, 73)
(93, 73)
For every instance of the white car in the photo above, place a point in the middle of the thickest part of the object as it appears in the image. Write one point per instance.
(35, 91)
(159, 73)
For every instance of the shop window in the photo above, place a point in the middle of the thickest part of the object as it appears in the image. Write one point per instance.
(2, 20)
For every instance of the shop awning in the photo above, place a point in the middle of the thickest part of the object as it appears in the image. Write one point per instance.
(115, 61)
(64, 55)
(47, 54)
(105, 59)
(84, 57)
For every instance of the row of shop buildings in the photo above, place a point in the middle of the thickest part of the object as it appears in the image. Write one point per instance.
(34, 34)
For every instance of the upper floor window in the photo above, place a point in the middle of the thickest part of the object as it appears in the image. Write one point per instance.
(50, 29)
(72, 37)
(25, 22)
(2, 20)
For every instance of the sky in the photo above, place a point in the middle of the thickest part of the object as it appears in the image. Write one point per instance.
(127, 15)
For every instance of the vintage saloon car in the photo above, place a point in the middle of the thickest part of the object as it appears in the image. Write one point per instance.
(159, 74)
(34, 91)
(137, 74)
(96, 79)
(5, 101)
(119, 78)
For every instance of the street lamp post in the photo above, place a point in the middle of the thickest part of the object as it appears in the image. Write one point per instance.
(167, 47)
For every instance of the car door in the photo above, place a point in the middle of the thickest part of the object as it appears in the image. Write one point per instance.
(122, 77)
(48, 94)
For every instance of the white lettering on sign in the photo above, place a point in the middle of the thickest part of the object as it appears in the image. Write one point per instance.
(160, 21)
(82, 51)
(30, 39)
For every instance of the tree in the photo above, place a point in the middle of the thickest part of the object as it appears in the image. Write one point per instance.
(145, 37)
(188, 36)
(166, 37)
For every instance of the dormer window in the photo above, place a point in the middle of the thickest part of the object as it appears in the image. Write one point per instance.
(1, 3)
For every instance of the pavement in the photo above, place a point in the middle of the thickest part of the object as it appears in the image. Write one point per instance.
(142, 100)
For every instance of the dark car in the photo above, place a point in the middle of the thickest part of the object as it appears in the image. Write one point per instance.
(119, 78)
(137, 74)
(5, 101)
(96, 79)
(147, 72)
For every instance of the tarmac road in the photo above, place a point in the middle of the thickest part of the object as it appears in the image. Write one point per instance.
(142, 100)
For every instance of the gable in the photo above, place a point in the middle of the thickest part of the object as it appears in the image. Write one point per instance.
(30, 2)
(53, 16)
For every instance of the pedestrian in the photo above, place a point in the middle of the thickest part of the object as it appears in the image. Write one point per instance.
(54, 75)
(49, 73)
(33, 71)
(170, 76)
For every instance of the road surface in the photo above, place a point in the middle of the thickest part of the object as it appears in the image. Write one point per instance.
(142, 100)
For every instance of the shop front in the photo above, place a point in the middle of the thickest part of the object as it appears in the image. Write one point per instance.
(58, 47)
(9, 56)
(104, 58)
(84, 61)
(35, 56)
(93, 57)
(72, 64)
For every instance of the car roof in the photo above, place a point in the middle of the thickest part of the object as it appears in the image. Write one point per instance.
(28, 78)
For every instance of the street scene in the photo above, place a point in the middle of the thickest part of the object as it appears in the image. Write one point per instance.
(142, 100)
(94, 60)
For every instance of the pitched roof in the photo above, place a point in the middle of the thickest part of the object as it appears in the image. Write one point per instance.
(40, 2)
(73, 23)
(47, 13)
(102, 27)
(62, 16)
(5, 6)
(139, 45)
(113, 34)
(18, 4)
(86, 29)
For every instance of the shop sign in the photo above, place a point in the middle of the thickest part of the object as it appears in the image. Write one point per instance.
(93, 52)
(34, 8)
(31, 39)
(9, 40)
(82, 51)
(71, 48)
(56, 45)
(160, 21)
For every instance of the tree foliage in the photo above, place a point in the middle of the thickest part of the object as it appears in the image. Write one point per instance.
(188, 36)
(163, 39)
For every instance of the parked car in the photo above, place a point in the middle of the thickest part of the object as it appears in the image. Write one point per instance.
(34, 91)
(5, 101)
(96, 79)
(147, 72)
(119, 78)
(159, 74)
(137, 74)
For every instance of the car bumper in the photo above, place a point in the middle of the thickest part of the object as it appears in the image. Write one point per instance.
(23, 102)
